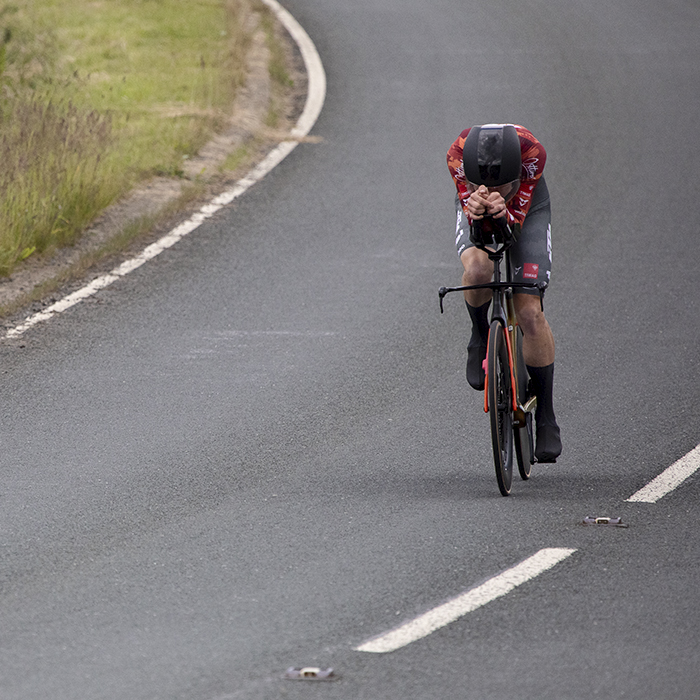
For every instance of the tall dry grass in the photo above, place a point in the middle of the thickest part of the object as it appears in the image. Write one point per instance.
(54, 177)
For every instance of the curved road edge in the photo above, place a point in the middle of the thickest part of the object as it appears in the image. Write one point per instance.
(315, 98)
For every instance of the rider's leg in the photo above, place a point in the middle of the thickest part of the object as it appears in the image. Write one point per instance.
(478, 269)
(538, 341)
(538, 349)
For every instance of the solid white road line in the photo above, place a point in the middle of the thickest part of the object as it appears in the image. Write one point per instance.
(669, 479)
(314, 103)
(448, 612)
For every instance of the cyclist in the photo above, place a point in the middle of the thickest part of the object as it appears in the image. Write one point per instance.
(497, 169)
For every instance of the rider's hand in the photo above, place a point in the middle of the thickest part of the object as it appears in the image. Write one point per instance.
(496, 205)
(481, 202)
(477, 203)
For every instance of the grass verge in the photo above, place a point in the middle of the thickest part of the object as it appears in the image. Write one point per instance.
(96, 96)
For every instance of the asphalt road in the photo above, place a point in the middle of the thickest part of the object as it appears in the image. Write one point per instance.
(258, 451)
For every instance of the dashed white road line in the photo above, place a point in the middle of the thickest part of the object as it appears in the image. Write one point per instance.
(314, 103)
(467, 602)
(500, 585)
(669, 479)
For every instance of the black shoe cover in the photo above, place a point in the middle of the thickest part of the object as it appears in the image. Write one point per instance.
(476, 354)
(548, 443)
(476, 349)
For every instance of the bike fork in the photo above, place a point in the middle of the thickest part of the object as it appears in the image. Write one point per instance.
(513, 385)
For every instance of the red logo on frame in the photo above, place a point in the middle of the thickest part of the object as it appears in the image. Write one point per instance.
(530, 271)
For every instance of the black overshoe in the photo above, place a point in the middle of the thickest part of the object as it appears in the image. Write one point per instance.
(548, 443)
(476, 349)
(476, 376)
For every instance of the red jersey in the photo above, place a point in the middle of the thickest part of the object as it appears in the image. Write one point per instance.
(533, 159)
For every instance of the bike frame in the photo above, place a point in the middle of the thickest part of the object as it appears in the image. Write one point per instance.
(503, 310)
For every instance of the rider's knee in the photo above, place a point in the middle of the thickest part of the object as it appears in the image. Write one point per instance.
(531, 318)
(478, 269)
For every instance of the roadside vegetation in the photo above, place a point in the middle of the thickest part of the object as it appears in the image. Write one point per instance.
(96, 96)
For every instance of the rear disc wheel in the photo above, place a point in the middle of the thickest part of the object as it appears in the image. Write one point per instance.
(523, 448)
(522, 434)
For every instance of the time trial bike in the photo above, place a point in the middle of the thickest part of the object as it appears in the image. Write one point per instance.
(508, 398)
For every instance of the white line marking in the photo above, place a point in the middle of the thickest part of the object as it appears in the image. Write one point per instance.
(448, 612)
(314, 103)
(669, 479)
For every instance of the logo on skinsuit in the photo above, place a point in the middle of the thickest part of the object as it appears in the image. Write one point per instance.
(530, 271)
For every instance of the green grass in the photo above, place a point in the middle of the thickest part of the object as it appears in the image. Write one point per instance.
(96, 95)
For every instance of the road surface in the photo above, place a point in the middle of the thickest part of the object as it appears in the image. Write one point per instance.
(258, 451)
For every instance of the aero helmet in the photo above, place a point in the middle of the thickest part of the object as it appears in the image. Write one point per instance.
(491, 155)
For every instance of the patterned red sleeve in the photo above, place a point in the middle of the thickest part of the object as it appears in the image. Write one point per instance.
(533, 158)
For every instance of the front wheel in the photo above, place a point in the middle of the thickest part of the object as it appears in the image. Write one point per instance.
(500, 402)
